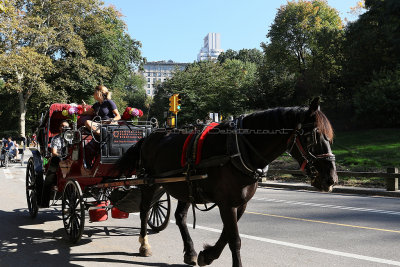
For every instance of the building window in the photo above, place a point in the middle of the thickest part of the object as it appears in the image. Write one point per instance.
(154, 74)
(154, 80)
(148, 92)
(148, 85)
(148, 79)
(159, 74)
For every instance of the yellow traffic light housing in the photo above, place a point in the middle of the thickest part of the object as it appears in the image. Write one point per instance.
(175, 103)
(178, 102)
(172, 104)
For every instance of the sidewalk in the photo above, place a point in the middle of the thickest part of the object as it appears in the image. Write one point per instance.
(336, 189)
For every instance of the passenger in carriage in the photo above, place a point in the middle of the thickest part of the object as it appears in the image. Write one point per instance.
(58, 143)
(104, 107)
(57, 147)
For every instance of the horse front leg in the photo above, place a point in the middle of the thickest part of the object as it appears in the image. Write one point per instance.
(229, 218)
(145, 205)
(211, 253)
(190, 256)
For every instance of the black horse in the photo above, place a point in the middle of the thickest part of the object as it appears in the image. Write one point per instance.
(239, 150)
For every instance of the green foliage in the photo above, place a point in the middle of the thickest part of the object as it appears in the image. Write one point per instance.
(58, 51)
(136, 94)
(372, 43)
(208, 87)
(303, 57)
(378, 102)
(246, 55)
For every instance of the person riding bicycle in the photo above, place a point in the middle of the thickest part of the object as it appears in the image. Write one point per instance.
(57, 146)
(10, 147)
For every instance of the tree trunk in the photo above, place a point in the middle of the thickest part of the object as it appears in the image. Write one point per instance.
(22, 113)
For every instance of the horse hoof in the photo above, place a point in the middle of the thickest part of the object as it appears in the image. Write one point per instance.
(201, 260)
(145, 252)
(190, 259)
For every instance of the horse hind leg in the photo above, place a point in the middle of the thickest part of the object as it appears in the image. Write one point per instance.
(145, 205)
(145, 248)
(211, 253)
(190, 255)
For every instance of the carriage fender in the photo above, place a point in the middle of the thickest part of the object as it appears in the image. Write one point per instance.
(37, 161)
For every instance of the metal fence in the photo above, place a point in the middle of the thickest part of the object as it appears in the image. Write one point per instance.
(391, 176)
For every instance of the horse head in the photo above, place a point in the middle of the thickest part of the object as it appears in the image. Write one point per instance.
(310, 145)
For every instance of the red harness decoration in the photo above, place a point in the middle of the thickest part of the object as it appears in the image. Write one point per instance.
(200, 142)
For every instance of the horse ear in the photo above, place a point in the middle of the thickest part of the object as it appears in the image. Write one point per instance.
(314, 106)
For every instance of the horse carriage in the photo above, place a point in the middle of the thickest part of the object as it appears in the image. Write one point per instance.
(85, 177)
(216, 163)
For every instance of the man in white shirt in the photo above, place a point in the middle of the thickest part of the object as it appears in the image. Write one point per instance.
(57, 145)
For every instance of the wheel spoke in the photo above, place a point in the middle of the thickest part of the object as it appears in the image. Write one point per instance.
(163, 207)
(157, 216)
(162, 212)
(152, 216)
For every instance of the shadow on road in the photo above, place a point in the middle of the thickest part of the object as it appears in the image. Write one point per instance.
(24, 242)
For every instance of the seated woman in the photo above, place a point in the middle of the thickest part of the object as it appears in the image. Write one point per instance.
(104, 107)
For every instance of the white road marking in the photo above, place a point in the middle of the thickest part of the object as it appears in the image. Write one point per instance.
(293, 245)
(326, 206)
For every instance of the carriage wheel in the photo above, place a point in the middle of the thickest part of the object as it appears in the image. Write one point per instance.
(31, 192)
(160, 212)
(73, 211)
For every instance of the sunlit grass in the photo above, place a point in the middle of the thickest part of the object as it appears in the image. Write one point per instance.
(368, 149)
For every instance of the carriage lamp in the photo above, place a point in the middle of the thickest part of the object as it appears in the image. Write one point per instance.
(72, 136)
(69, 136)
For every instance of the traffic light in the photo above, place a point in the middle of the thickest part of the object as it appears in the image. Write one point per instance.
(175, 103)
(178, 102)
(172, 104)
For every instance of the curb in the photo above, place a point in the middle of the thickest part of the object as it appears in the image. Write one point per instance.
(336, 189)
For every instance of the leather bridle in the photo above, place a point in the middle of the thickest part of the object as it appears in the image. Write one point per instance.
(309, 159)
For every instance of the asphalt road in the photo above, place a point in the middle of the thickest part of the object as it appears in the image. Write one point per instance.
(281, 227)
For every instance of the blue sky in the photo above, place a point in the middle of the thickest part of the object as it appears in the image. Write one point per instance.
(174, 29)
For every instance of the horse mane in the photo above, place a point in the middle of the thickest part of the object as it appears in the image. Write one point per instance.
(289, 117)
(323, 125)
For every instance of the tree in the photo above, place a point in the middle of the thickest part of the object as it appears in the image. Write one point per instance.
(21, 66)
(208, 87)
(304, 46)
(68, 53)
(372, 43)
(246, 55)
(378, 102)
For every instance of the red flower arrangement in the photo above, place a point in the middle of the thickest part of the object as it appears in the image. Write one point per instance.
(132, 113)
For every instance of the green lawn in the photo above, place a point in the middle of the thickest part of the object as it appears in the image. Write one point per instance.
(367, 149)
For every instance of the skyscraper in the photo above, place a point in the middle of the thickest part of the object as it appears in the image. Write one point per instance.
(211, 48)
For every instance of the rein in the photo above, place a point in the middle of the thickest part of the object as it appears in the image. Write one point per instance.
(294, 140)
(236, 155)
(308, 157)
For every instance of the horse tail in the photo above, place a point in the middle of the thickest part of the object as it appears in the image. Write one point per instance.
(129, 161)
